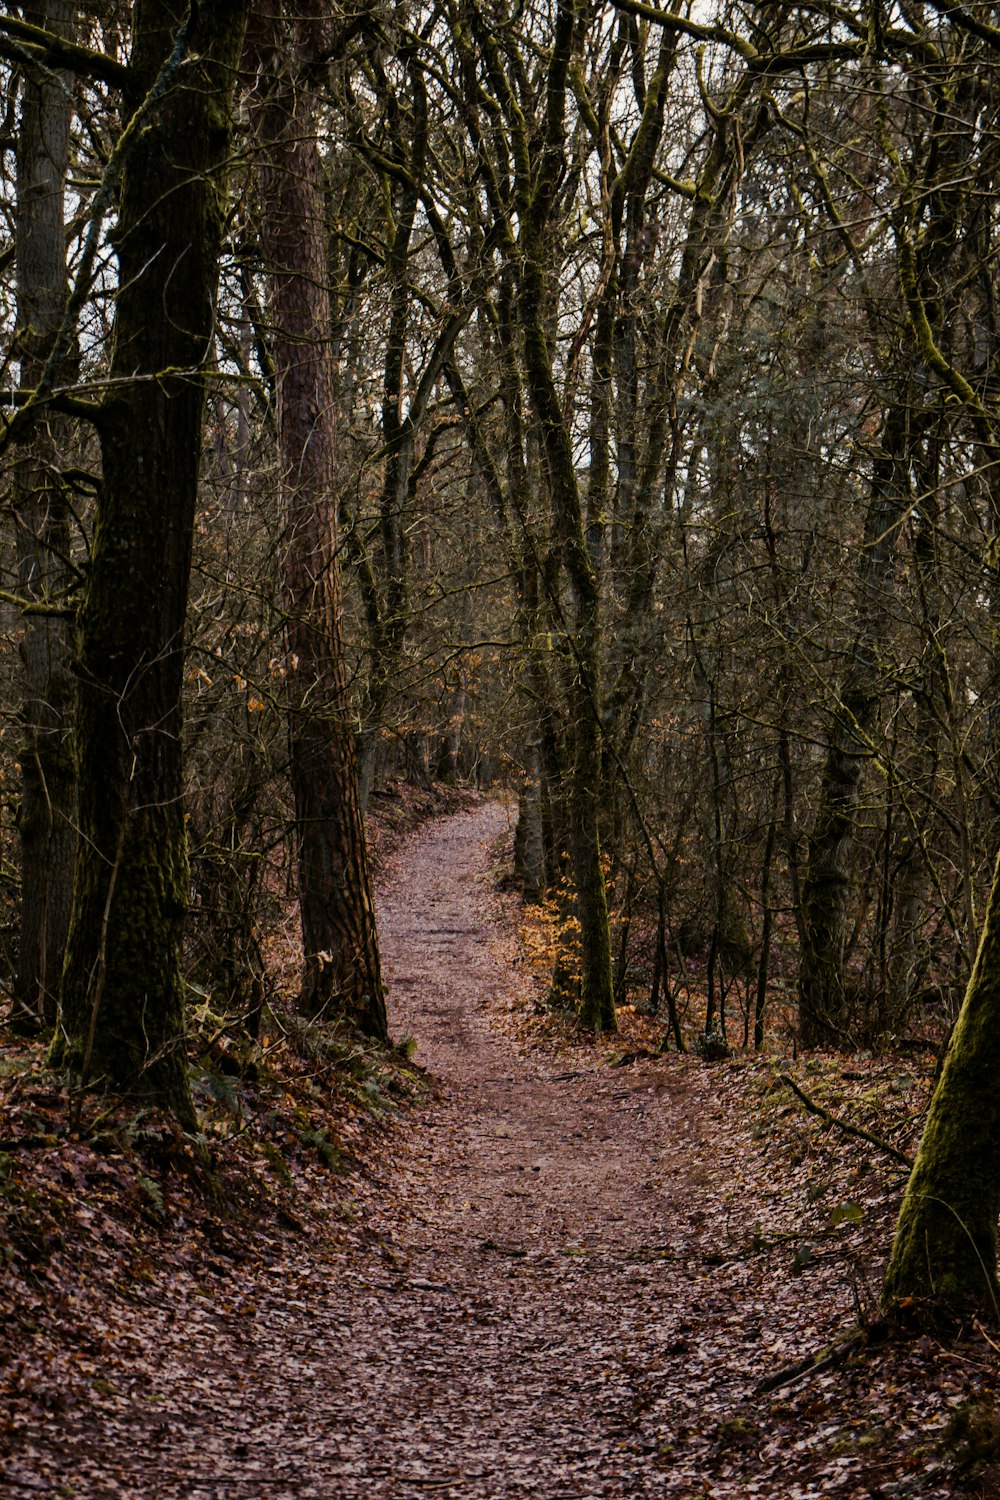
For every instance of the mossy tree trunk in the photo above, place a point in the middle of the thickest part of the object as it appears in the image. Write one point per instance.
(122, 1014)
(47, 819)
(342, 973)
(945, 1247)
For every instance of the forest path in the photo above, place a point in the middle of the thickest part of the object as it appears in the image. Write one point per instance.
(550, 1278)
(534, 1310)
(530, 1340)
(546, 1285)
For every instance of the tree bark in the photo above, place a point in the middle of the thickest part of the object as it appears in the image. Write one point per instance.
(824, 1018)
(122, 1015)
(945, 1247)
(342, 972)
(576, 548)
(47, 819)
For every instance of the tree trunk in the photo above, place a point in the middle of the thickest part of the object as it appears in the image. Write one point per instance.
(529, 836)
(945, 1247)
(824, 1018)
(122, 1017)
(47, 821)
(342, 972)
(577, 546)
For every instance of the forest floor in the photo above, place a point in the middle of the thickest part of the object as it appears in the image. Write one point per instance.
(555, 1270)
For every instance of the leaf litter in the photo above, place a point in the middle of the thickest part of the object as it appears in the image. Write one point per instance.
(553, 1270)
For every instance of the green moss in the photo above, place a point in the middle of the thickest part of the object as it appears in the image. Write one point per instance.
(945, 1245)
(972, 1434)
(275, 1161)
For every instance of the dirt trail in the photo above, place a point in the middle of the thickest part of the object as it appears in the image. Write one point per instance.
(551, 1294)
(537, 1297)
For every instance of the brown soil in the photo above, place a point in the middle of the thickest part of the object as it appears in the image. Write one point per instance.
(564, 1279)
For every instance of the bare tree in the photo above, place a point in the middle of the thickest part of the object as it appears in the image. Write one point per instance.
(342, 975)
(48, 798)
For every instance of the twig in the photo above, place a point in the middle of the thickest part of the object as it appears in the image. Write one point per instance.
(980, 1329)
(812, 1364)
(830, 1119)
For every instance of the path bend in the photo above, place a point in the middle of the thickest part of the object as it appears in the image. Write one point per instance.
(544, 1248)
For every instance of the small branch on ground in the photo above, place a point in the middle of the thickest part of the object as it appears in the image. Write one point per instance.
(843, 1125)
(812, 1364)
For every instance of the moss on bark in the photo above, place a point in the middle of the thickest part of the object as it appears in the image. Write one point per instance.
(121, 1019)
(945, 1245)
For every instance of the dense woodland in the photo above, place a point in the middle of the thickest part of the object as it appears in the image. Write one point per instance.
(592, 402)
